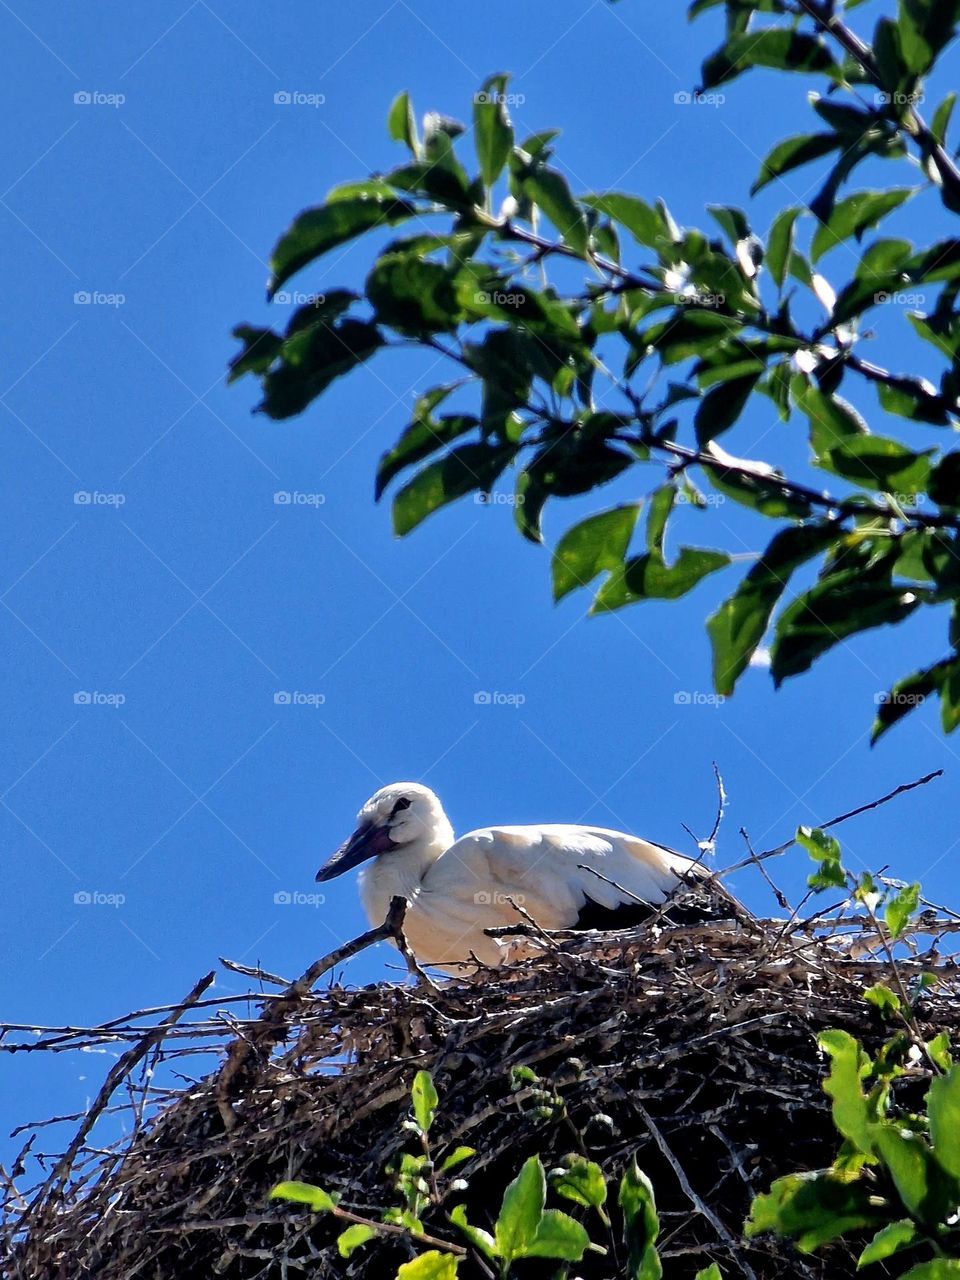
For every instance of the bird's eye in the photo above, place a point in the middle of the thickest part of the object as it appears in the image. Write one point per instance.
(402, 803)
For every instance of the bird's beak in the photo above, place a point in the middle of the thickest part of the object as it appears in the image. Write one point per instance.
(366, 842)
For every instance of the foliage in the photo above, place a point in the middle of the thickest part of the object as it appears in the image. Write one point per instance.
(572, 367)
(523, 1228)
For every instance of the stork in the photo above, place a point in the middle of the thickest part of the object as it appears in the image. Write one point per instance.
(564, 877)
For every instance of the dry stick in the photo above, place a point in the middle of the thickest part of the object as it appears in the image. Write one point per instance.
(272, 1026)
(117, 1072)
(261, 975)
(780, 896)
(689, 1192)
(853, 813)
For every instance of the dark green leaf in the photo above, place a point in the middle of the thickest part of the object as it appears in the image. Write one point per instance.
(550, 191)
(854, 215)
(792, 153)
(597, 543)
(776, 47)
(423, 436)
(741, 621)
(492, 131)
(641, 1225)
(812, 1209)
(311, 360)
(261, 348)
(643, 222)
(780, 243)
(875, 462)
(941, 118)
(647, 577)
(318, 230)
(412, 296)
(722, 405)
(839, 605)
(906, 695)
(468, 467)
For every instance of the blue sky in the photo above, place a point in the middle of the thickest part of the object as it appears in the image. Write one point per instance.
(184, 589)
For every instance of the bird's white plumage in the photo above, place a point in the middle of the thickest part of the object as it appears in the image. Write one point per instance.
(459, 888)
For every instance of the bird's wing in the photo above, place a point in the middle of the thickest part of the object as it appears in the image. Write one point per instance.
(554, 872)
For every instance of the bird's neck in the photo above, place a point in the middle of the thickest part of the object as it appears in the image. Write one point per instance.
(400, 872)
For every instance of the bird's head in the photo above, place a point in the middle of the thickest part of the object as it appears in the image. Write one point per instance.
(393, 817)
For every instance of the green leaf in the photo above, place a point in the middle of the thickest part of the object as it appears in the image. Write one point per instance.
(938, 1269)
(423, 436)
(899, 910)
(597, 543)
(468, 467)
(943, 1110)
(780, 244)
(925, 27)
(430, 1266)
(792, 153)
(353, 1238)
(854, 215)
(401, 124)
(550, 191)
(641, 1225)
(642, 221)
(882, 998)
(311, 360)
(321, 229)
(522, 1209)
(581, 1181)
(492, 131)
(938, 1050)
(875, 462)
(740, 623)
(559, 1236)
(648, 577)
(261, 348)
(904, 697)
(304, 1193)
(412, 296)
(837, 606)
(941, 118)
(479, 1238)
(812, 1209)
(731, 220)
(424, 1097)
(712, 1272)
(661, 504)
(456, 1158)
(777, 47)
(722, 405)
(825, 851)
(916, 399)
(910, 1165)
(888, 1241)
(832, 420)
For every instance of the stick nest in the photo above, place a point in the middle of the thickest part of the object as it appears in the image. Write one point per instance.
(693, 1047)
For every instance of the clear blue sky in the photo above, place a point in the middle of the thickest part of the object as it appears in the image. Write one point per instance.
(198, 799)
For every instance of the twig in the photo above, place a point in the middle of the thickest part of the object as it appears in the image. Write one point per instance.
(261, 975)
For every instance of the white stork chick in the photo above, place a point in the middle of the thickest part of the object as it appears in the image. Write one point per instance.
(458, 888)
